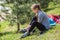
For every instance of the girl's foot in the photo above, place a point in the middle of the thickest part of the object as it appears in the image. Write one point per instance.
(41, 32)
(25, 34)
(23, 30)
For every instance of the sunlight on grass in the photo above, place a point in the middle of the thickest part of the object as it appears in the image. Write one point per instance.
(3, 24)
(52, 34)
(54, 11)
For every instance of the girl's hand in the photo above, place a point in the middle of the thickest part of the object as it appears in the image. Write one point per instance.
(28, 27)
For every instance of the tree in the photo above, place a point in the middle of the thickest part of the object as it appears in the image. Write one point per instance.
(19, 9)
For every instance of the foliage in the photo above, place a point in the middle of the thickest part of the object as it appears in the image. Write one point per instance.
(22, 8)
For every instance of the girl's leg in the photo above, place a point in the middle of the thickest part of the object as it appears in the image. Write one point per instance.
(34, 19)
(38, 25)
(33, 25)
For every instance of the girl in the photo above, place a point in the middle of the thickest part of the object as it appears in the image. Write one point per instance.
(40, 21)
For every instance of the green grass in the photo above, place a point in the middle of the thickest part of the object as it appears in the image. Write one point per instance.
(52, 34)
(3, 24)
(55, 11)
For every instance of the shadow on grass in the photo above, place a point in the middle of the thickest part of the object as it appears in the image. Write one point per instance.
(48, 9)
(53, 27)
(5, 33)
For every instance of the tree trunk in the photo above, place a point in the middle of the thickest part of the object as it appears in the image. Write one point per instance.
(18, 27)
(18, 24)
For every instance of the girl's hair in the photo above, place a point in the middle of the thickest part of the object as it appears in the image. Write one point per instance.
(34, 6)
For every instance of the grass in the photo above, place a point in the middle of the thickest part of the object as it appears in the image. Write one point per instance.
(3, 25)
(52, 34)
(54, 10)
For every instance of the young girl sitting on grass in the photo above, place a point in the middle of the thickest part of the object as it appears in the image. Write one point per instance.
(40, 21)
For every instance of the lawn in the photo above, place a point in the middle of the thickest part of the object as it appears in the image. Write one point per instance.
(52, 34)
(8, 32)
